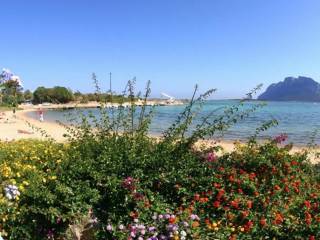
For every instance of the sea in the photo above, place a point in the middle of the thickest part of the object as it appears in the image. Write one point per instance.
(299, 120)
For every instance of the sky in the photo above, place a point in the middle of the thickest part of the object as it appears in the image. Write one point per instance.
(231, 45)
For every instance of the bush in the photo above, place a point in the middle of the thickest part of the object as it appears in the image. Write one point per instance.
(52, 95)
(115, 181)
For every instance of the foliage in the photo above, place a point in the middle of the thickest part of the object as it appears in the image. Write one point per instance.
(53, 95)
(11, 93)
(27, 95)
(114, 179)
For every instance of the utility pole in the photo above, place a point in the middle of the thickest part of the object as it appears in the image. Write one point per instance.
(110, 81)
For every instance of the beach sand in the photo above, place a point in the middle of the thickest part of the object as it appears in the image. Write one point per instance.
(22, 126)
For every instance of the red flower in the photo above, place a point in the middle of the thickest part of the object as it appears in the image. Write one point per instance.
(277, 187)
(231, 178)
(240, 191)
(235, 204)
(311, 237)
(308, 218)
(220, 193)
(248, 226)
(307, 204)
(252, 176)
(263, 222)
(216, 204)
(249, 204)
(196, 197)
(286, 189)
(245, 214)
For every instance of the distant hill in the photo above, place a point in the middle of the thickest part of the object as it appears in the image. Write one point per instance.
(293, 89)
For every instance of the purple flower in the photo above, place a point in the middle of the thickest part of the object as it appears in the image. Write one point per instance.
(194, 217)
(151, 229)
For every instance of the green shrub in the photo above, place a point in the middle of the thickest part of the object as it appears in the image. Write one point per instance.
(115, 181)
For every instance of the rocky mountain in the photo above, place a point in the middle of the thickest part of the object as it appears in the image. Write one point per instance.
(293, 89)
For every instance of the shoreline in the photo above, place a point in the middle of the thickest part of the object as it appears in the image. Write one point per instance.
(18, 127)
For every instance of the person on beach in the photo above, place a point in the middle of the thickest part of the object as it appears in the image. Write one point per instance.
(41, 119)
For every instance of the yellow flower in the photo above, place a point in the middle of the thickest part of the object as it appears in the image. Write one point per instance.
(53, 177)
(25, 183)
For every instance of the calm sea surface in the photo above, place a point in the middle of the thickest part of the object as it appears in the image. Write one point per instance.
(299, 120)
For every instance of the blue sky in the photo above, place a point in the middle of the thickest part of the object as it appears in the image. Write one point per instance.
(232, 45)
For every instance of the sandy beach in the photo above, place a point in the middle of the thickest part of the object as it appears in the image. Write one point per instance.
(22, 126)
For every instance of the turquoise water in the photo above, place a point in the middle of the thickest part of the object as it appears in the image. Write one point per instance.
(298, 120)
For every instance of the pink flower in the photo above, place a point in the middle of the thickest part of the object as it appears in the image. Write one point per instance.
(211, 157)
(129, 183)
(281, 138)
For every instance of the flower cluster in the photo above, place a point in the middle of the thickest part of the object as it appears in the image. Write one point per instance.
(11, 192)
(161, 227)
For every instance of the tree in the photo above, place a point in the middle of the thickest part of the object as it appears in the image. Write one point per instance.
(40, 95)
(53, 95)
(12, 92)
(62, 94)
(27, 95)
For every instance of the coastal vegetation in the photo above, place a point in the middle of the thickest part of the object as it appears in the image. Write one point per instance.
(56, 94)
(111, 180)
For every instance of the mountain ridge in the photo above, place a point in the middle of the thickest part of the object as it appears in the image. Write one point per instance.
(293, 89)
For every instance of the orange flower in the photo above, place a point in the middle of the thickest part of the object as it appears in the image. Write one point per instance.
(278, 218)
(203, 199)
(195, 224)
(249, 204)
(172, 220)
(233, 237)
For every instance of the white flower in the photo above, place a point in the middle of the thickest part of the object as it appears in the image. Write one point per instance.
(11, 192)
(183, 233)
